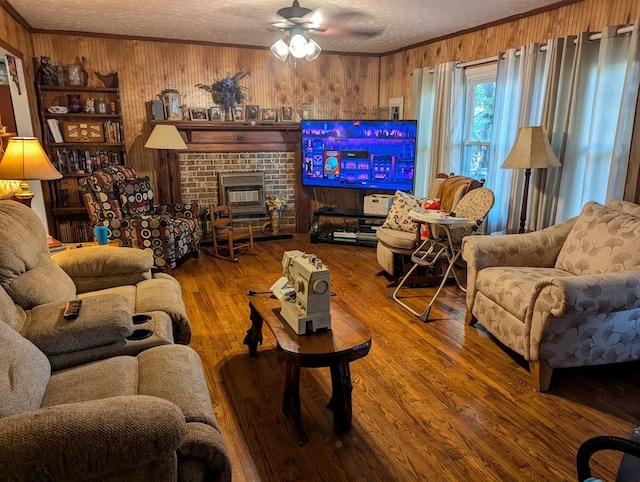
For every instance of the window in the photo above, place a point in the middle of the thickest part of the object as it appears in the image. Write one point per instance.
(480, 83)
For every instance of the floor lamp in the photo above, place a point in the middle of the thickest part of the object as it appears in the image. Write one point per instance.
(24, 159)
(164, 137)
(531, 150)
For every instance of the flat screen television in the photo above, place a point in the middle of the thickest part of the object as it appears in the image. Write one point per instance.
(362, 154)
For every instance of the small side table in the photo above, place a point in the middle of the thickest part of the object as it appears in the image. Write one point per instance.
(347, 341)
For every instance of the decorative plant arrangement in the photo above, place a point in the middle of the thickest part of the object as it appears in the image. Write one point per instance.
(275, 205)
(227, 92)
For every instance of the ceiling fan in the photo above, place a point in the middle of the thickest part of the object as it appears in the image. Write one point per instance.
(312, 21)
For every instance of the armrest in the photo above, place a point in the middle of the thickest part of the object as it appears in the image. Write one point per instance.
(103, 319)
(537, 249)
(100, 267)
(589, 294)
(86, 440)
(179, 210)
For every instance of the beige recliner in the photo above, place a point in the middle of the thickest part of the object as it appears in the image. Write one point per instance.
(126, 418)
(115, 284)
(564, 296)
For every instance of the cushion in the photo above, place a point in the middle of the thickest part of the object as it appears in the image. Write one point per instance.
(24, 373)
(398, 217)
(103, 319)
(44, 283)
(106, 195)
(603, 240)
(12, 314)
(136, 196)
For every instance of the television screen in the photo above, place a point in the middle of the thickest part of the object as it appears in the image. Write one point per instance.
(364, 154)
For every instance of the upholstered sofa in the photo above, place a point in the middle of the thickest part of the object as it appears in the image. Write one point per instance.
(564, 296)
(117, 198)
(125, 418)
(115, 283)
(398, 237)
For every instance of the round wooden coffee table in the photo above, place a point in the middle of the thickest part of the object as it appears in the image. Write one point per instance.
(347, 341)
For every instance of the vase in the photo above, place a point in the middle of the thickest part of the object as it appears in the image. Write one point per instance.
(228, 114)
(74, 104)
(275, 221)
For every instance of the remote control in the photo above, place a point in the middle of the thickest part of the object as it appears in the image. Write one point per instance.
(72, 309)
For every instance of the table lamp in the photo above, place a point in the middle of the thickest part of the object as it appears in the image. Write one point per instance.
(25, 160)
(164, 137)
(531, 150)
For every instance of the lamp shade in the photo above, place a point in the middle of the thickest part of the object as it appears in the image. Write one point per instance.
(165, 136)
(531, 150)
(280, 49)
(25, 159)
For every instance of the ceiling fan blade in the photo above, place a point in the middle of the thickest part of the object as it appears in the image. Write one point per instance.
(350, 32)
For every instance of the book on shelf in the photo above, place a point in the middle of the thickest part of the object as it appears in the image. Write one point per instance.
(54, 129)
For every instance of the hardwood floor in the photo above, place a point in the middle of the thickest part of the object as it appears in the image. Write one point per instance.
(431, 401)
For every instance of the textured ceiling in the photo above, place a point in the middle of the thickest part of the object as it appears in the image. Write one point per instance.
(363, 26)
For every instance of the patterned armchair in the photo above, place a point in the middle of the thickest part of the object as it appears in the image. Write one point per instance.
(564, 296)
(115, 197)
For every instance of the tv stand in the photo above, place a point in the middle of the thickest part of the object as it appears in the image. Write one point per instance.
(345, 226)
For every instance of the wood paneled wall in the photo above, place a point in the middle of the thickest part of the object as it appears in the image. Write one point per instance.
(587, 15)
(337, 86)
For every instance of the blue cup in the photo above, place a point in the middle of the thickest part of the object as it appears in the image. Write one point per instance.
(102, 234)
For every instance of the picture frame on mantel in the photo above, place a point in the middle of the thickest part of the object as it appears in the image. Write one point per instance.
(286, 114)
(268, 115)
(198, 114)
(238, 113)
(215, 114)
(253, 112)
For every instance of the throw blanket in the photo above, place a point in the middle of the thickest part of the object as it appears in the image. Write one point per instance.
(451, 191)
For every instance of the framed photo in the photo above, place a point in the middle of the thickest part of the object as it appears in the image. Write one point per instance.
(198, 114)
(238, 113)
(286, 114)
(268, 115)
(172, 106)
(215, 114)
(307, 111)
(253, 113)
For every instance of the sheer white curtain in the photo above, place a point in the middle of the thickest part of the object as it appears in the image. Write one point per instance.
(438, 106)
(605, 76)
(521, 84)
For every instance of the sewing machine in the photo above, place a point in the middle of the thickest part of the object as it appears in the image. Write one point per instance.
(304, 292)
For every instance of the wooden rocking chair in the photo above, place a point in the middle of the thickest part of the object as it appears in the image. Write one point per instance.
(226, 238)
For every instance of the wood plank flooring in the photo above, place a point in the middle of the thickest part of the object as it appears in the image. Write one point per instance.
(434, 401)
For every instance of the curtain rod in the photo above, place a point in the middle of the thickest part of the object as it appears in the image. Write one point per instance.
(495, 58)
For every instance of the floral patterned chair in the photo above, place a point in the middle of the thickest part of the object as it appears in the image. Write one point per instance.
(115, 197)
(564, 296)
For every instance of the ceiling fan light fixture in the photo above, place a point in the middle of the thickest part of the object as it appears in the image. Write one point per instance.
(298, 45)
(313, 50)
(280, 49)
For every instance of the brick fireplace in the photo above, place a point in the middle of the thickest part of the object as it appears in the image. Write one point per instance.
(199, 174)
(226, 147)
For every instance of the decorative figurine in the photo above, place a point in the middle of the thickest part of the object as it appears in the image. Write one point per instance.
(48, 75)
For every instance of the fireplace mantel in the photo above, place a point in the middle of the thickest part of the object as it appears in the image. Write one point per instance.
(206, 136)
